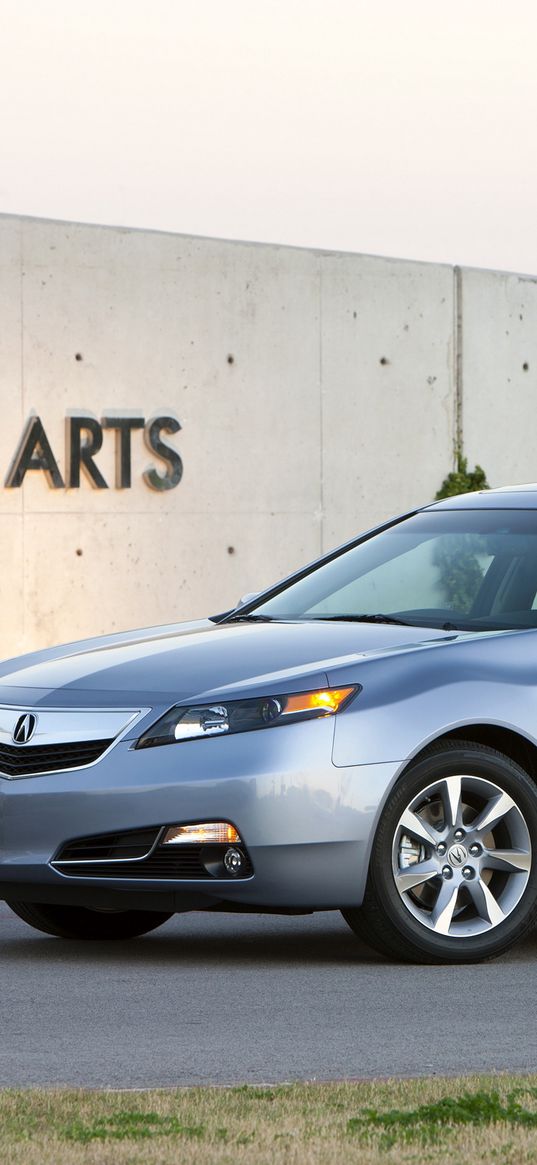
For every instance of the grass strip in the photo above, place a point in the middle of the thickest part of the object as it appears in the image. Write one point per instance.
(488, 1119)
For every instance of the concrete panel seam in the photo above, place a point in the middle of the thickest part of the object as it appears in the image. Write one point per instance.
(22, 403)
(321, 411)
(458, 334)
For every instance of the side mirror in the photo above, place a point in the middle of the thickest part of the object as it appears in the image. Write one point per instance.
(241, 603)
(248, 598)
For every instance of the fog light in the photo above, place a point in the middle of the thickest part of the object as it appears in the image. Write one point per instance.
(233, 860)
(218, 832)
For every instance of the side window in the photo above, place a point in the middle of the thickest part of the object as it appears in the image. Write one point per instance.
(463, 562)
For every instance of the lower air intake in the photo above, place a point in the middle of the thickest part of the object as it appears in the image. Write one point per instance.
(134, 855)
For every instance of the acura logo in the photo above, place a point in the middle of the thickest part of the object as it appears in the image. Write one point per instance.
(25, 728)
(457, 855)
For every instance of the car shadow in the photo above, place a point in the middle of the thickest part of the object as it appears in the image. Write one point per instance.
(219, 941)
(231, 945)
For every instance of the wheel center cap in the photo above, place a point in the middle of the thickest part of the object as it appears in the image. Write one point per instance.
(457, 855)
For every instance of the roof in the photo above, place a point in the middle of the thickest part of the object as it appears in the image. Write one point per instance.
(507, 497)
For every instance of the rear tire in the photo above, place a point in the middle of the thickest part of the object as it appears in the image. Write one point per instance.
(453, 870)
(79, 922)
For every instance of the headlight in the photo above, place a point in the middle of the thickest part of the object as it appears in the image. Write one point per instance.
(219, 719)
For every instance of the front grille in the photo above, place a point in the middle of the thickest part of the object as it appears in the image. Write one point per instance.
(46, 758)
(165, 862)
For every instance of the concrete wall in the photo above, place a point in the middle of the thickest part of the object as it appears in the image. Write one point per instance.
(317, 393)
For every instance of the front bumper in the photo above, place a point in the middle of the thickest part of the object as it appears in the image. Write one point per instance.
(307, 825)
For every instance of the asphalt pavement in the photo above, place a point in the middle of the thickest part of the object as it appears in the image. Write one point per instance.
(228, 999)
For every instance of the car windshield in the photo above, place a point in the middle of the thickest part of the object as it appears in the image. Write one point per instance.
(471, 570)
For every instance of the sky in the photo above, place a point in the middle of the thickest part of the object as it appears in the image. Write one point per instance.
(399, 127)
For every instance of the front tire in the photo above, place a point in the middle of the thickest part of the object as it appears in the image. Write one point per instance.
(453, 870)
(78, 922)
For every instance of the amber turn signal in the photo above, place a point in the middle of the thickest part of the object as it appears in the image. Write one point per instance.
(328, 700)
(218, 832)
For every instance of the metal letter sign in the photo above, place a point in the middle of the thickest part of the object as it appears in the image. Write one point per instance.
(123, 427)
(84, 439)
(34, 452)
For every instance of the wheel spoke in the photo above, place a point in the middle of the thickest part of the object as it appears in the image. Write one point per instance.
(485, 903)
(451, 796)
(415, 875)
(417, 827)
(506, 859)
(497, 808)
(444, 907)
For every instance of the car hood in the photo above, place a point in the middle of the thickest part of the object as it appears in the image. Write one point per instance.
(197, 660)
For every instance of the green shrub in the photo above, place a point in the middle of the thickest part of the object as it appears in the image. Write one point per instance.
(460, 481)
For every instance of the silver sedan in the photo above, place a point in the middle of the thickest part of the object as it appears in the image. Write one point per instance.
(360, 737)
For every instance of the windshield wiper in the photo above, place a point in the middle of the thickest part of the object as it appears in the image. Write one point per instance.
(320, 619)
(252, 619)
(363, 619)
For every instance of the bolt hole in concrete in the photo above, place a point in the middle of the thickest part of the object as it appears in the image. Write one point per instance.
(80, 552)
(525, 367)
(231, 549)
(384, 360)
(231, 359)
(79, 356)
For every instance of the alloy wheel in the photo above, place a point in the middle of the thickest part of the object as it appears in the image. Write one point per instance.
(461, 856)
